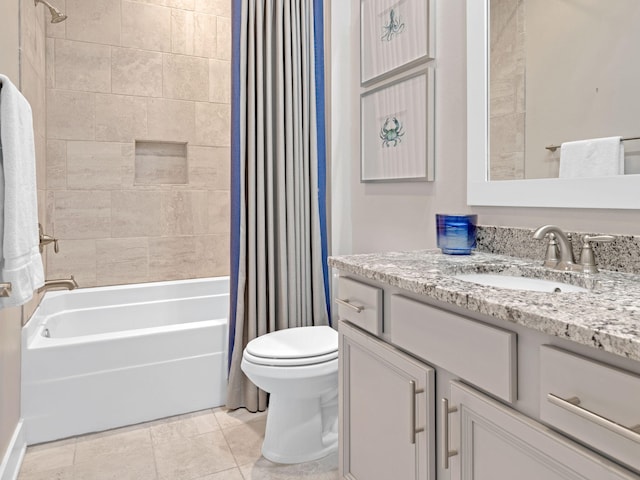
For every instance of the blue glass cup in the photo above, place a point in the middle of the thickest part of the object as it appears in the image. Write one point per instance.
(456, 234)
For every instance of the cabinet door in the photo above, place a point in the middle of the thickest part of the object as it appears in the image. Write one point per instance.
(495, 442)
(386, 411)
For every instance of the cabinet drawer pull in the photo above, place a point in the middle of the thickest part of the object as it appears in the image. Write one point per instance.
(345, 303)
(412, 412)
(445, 453)
(572, 405)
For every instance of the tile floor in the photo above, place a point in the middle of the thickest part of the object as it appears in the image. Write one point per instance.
(208, 445)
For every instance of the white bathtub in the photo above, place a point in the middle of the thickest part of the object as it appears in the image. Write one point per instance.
(100, 358)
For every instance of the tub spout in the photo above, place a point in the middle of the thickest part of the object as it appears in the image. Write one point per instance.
(60, 283)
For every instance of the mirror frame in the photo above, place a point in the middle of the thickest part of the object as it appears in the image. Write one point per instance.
(619, 192)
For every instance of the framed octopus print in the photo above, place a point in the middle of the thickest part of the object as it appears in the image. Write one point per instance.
(397, 130)
(394, 34)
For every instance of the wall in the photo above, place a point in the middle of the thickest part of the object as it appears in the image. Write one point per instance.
(120, 71)
(22, 59)
(397, 216)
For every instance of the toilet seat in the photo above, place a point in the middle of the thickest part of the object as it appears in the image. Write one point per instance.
(294, 347)
(289, 362)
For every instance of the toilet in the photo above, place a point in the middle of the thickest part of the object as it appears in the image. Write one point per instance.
(299, 369)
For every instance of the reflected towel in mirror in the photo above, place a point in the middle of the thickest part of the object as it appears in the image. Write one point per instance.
(596, 157)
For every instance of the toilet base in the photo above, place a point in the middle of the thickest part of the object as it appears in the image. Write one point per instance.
(294, 432)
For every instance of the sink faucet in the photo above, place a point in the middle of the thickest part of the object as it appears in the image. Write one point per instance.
(566, 261)
(68, 283)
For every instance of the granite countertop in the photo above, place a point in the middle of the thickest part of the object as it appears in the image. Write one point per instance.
(606, 317)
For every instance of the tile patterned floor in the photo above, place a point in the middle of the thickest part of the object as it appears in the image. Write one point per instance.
(208, 445)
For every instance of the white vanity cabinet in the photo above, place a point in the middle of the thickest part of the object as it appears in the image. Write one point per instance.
(386, 411)
(495, 424)
(495, 442)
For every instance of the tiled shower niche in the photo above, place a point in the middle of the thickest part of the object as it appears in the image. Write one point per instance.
(161, 163)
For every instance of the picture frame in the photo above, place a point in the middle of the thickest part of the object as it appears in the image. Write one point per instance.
(397, 129)
(394, 35)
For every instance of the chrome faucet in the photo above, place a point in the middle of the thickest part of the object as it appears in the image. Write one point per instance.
(68, 283)
(566, 261)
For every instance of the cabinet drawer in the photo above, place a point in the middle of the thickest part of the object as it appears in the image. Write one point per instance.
(361, 304)
(478, 353)
(596, 404)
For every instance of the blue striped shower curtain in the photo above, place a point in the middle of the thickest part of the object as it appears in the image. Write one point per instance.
(279, 276)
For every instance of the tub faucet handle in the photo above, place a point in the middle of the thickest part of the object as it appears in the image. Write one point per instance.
(46, 240)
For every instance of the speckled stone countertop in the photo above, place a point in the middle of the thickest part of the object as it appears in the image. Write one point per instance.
(606, 317)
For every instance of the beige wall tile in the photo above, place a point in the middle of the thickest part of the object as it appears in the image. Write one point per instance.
(57, 30)
(77, 258)
(56, 164)
(219, 81)
(170, 120)
(214, 7)
(213, 124)
(70, 115)
(185, 77)
(209, 167)
(82, 66)
(224, 38)
(93, 21)
(32, 33)
(120, 118)
(173, 257)
(182, 28)
(219, 211)
(94, 165)
(136, 214)
(146, 26)
(200, 211)
(183, 4)
(122, 260)
(212, 252)
(205, 35)
(82, 214)
(136, 72)
(177, 208)
(50, 63)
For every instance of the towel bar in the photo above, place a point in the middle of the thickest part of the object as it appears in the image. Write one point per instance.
(553, 148)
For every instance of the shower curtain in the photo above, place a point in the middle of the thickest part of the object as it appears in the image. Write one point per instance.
(279, 276)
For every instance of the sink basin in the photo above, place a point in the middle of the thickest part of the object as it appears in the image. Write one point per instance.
(519, 283)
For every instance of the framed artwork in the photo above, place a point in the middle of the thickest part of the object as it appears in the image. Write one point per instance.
(397, 130)
(394, 34)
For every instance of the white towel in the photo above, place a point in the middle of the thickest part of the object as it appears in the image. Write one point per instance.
(20, 260)
(597, 157)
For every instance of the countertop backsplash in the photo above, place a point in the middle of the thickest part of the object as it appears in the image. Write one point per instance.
(621, 255)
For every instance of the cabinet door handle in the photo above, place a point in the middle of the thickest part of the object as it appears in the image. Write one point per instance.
(345, 303)
(5, 289)
(572, 405)
(412, 412)
(445, 453)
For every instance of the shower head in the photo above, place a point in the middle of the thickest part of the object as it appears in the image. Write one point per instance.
(56, 15)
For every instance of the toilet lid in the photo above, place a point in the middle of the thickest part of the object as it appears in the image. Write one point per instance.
(296, 343)
(289, 362)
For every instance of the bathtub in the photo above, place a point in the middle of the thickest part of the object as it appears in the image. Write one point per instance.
(105, 357)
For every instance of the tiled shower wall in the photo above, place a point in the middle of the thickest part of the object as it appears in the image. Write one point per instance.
(507, 90)
(121, 71)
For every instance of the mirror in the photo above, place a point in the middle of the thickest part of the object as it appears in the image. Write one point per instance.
(604, 192)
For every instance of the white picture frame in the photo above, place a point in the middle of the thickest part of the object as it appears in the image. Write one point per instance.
(394, 35)
(397, 130)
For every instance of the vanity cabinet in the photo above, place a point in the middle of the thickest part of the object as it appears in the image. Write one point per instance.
(489, 387)
(495, 442)
(387, 411)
